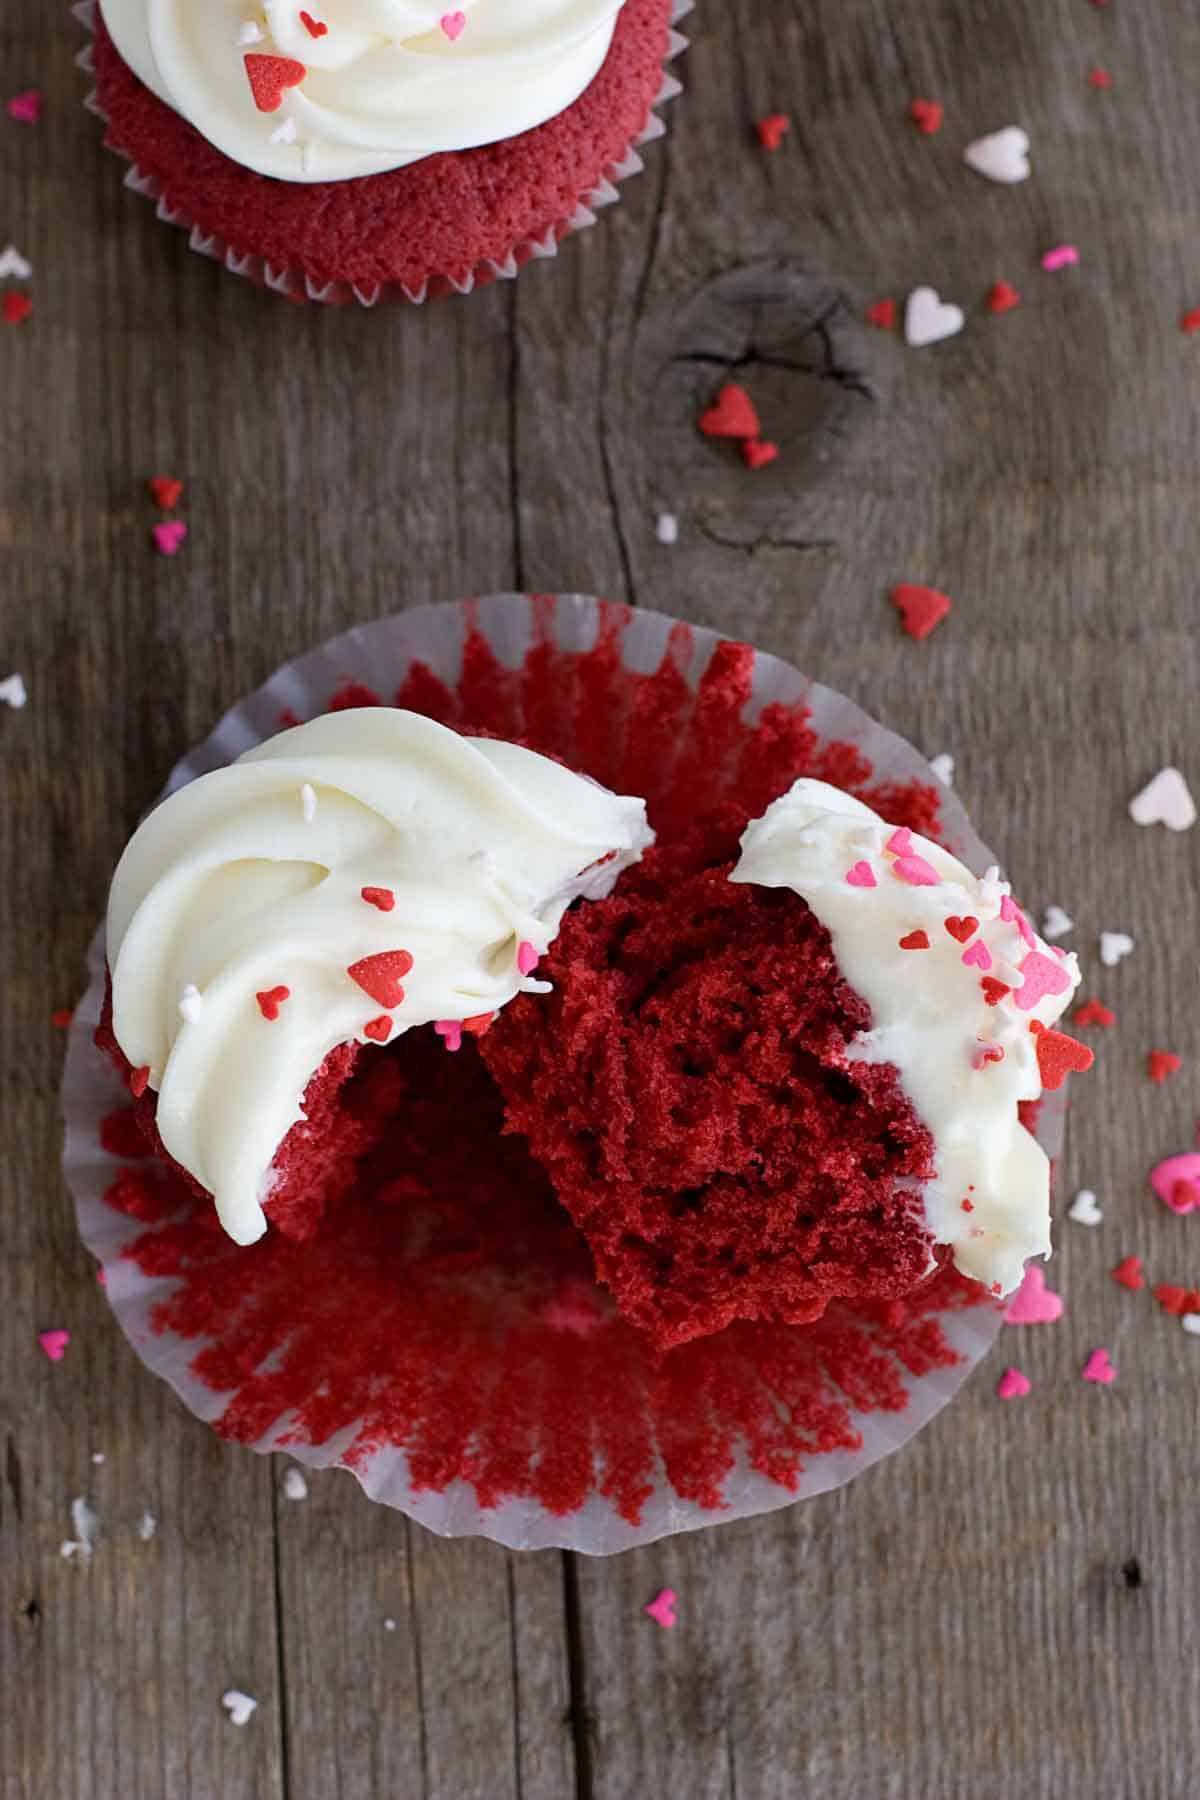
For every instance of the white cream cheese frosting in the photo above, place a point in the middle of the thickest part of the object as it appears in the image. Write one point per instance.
(380, 83)
(360, 875)
(963, 1050)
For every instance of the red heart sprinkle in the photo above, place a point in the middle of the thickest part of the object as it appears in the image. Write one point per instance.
(1172, 1299)
(1099, 78)
(383, 898)
(758, 452)
(1164, 1063)
(961, 929)
(1093, 1012)
(1002, 297)
(1129, 1274)
(270, 77)
(16, 307)
(1059, 1056)
(165, 492)
(380, 975)
(921, 608)
(1190, 321)
(378, 1030)
(993, 990)
(916, 940)
(478, 1024)
(773, 129)
(139, 1081)
(62, 1018)
(732, 416)
(314, 27)
(882, 315)
(270, 1002)
(927, 116)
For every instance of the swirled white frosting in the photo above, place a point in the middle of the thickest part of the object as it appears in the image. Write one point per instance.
(250, 880)
(386, 83)
(931, 1020)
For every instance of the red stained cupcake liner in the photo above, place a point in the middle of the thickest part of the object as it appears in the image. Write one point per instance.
(295, 285)
(464, 1364)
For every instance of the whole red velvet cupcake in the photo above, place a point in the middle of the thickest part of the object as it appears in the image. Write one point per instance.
(383, 150)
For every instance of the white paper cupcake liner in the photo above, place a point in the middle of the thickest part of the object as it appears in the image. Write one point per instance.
(294, 284)
(380, 655)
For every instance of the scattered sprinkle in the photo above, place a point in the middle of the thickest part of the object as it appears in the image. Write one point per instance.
(961, 930)
(733, 415)
(667, 529)
(1190, 321)
(285, 133)
(1063, 256)
(1162, 1063)
(1099, 78)
(993, 990)
(1094, 1012)
(758, 453)
(13, 266)
(662, 1609)
(1002, 297)
(378, 1030)
(1056, 923)
(1040, 975)
(308, 802)
(316, 28)
(916, 940)
(943, 767)
(1191, 1323)
(1099, 1368)
(882, 315)
(380, 975)
(1002, 156)
(1176, 1300)
(139, 1081)
(13, 692)
(772, 130)
(453, 24)
(389, 1624)
(1177, 1182)
(62, 1018)
(294, 1484)
(165, 492)
(15, 307)
(921, 609)
(240, 1707)
(380, 897)
(1012, 1385)
(927, 116)
(1059, 1056)
(54, 1343)
(86, 1526)
(168, 538)
(98, 1457)
(916, 871)
(862, 875)
(1012, 914)
(928, 319)
(270, 77)
(1034, 1303)
(900, 843)
(1114, 946)
(527, 957)
(249, 33)
(270, 1001)
(1166, 800)
(1129, 1274)
(451, 1031)
(26, 107)
(147, 1525)
(1083, 1208)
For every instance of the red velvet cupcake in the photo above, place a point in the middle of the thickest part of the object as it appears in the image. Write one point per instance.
(396, 150)
(654, 1249)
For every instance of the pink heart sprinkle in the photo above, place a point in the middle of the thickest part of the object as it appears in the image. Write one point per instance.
(1012, 1385)
(170, 536)
(26, 108)
(1011, 911)
(1041, 975)
(977, 955)
(1177, 1182)
(662, 1609)
(1099, 1368)
(54, 1343)
(1062, 256)
(900, 842)
(451, 1030)
(527, 957)
(916, 871)
(1033, 1303)
(861, 875)
(453, 24)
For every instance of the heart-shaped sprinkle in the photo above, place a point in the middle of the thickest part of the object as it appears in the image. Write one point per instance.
(381, 975)
(916, 940)
(662, 1609)
(1191, 1323)
(1041, 975)
(1165, 801)
(527, 958)
(270, 77)
(1094, 1012)
(943, 767)
(1012, 1385)
(383, 899)
(316, 28)
(165, 492)
(993, 990)
(1176, 1300)
(977, 956)
(961, 930)
(759, 453)
(1129, 1274)
(1083, 1208)
(139, 1080)
(928, 318)
(1190, 322)
(479, 1023)
(1002, 297)
(1098, 1368)
(1001, 156)
(1177, 1182)
(732, 415)
(916, 871)
(900, 843)
(26, 107)
(882, 315)
(1099, 78)
(1059, 1056)
(862, 875)
(451, 1031)
(920, 608)
(453, 24)
(1063, 256)
(169, 537)
(270, 1001)
(985, 1054)
(1114, 947)
(1162, 1063)
(378, 1030)
(927, 116)
(54, 1343)
(13, 266)
(15, 308)
(1011, 913)
(772, 130)
(1034, 1303)
(240, 1707)
(1057, 923)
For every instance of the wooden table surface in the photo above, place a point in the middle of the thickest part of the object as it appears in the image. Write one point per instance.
(1007, 1609)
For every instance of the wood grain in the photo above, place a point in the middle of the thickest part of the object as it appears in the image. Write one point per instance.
(1005, 1610)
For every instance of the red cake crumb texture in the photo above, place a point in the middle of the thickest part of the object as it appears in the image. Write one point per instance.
(439, 217)
(424, 1284)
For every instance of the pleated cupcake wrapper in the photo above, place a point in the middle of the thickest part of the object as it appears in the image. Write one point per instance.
(295, 285)
(381, 655)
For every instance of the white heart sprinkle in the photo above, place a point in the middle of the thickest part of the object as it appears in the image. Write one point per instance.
(13, 266)
(250, 33)
(294, 1484)
(1165, 801)
(147, 1525)
(1191, 1323)
(285, 133)
(389, 1624)
(943, 768)
(239, 1706)
(1001, 156)
(1057, 923)
(13, 691)
(928, 319)
(1083, 1208)
(667, 529)
(1114, 945)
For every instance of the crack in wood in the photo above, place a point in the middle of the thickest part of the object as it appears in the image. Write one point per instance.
(13, 1475)
(579, 1716)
